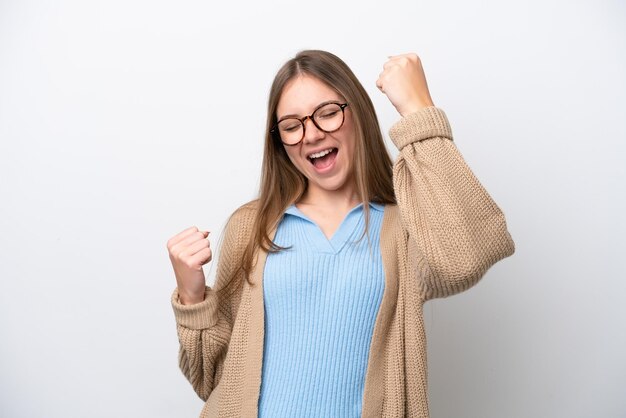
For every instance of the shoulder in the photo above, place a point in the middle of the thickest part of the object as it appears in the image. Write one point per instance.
(245, 211)
(393, 227)
(240, 222)
(390, 211)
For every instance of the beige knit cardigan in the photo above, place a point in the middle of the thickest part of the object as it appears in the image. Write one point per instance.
(440, 239)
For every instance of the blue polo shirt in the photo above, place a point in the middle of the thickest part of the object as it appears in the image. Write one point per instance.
(321, 299)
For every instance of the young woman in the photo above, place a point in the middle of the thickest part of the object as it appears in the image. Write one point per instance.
(316, 309)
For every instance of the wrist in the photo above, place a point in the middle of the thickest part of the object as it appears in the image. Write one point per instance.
(414, 108)
(186, 298)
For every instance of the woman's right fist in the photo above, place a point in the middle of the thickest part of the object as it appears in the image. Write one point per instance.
(189, 250)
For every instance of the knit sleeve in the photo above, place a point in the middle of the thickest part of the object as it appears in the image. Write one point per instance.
(204, 329)
(456, 229)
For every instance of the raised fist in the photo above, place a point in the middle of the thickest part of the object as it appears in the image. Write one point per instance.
(404, 83)
(189, 250)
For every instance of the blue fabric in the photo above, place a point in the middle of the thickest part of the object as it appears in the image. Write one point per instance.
(321, 299)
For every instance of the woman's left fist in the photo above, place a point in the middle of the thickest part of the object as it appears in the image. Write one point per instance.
(404, 83)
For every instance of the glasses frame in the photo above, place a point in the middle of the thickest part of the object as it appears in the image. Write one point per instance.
(274, 131)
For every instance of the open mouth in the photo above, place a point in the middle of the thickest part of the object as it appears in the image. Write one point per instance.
(324, 158)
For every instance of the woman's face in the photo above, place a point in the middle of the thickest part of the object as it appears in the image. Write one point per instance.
(332, 171)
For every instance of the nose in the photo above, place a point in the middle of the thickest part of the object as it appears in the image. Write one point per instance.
(311, 132)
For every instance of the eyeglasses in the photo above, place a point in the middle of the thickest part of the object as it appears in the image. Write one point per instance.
(327, 117)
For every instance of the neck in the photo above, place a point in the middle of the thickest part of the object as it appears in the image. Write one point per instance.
(344, 198)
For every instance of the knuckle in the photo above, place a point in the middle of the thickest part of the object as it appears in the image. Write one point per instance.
(180, 255)
(171, 243)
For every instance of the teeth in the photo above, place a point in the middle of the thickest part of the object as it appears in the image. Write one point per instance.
(321, 153)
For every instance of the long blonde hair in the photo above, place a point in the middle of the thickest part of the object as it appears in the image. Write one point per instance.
(281, 182)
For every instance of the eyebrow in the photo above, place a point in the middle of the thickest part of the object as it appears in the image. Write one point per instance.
(316, 107)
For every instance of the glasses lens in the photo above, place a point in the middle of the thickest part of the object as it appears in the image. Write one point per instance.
(329, 117)
(290, 130)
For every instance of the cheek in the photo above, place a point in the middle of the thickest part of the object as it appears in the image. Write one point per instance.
(350, 138)
(350, 147)
(294, 158)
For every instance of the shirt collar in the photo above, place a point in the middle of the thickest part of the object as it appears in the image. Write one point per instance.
(377, 206)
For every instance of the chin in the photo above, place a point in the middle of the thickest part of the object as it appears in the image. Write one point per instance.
(332, 185)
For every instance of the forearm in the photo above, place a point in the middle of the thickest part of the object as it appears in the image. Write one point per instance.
(457, 227)
(203, 342)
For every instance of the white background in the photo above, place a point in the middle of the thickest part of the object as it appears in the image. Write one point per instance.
(125, 122)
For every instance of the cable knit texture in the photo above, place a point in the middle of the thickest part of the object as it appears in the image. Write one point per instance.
(440, 239)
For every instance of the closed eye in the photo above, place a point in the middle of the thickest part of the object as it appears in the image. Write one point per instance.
(330, 114)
